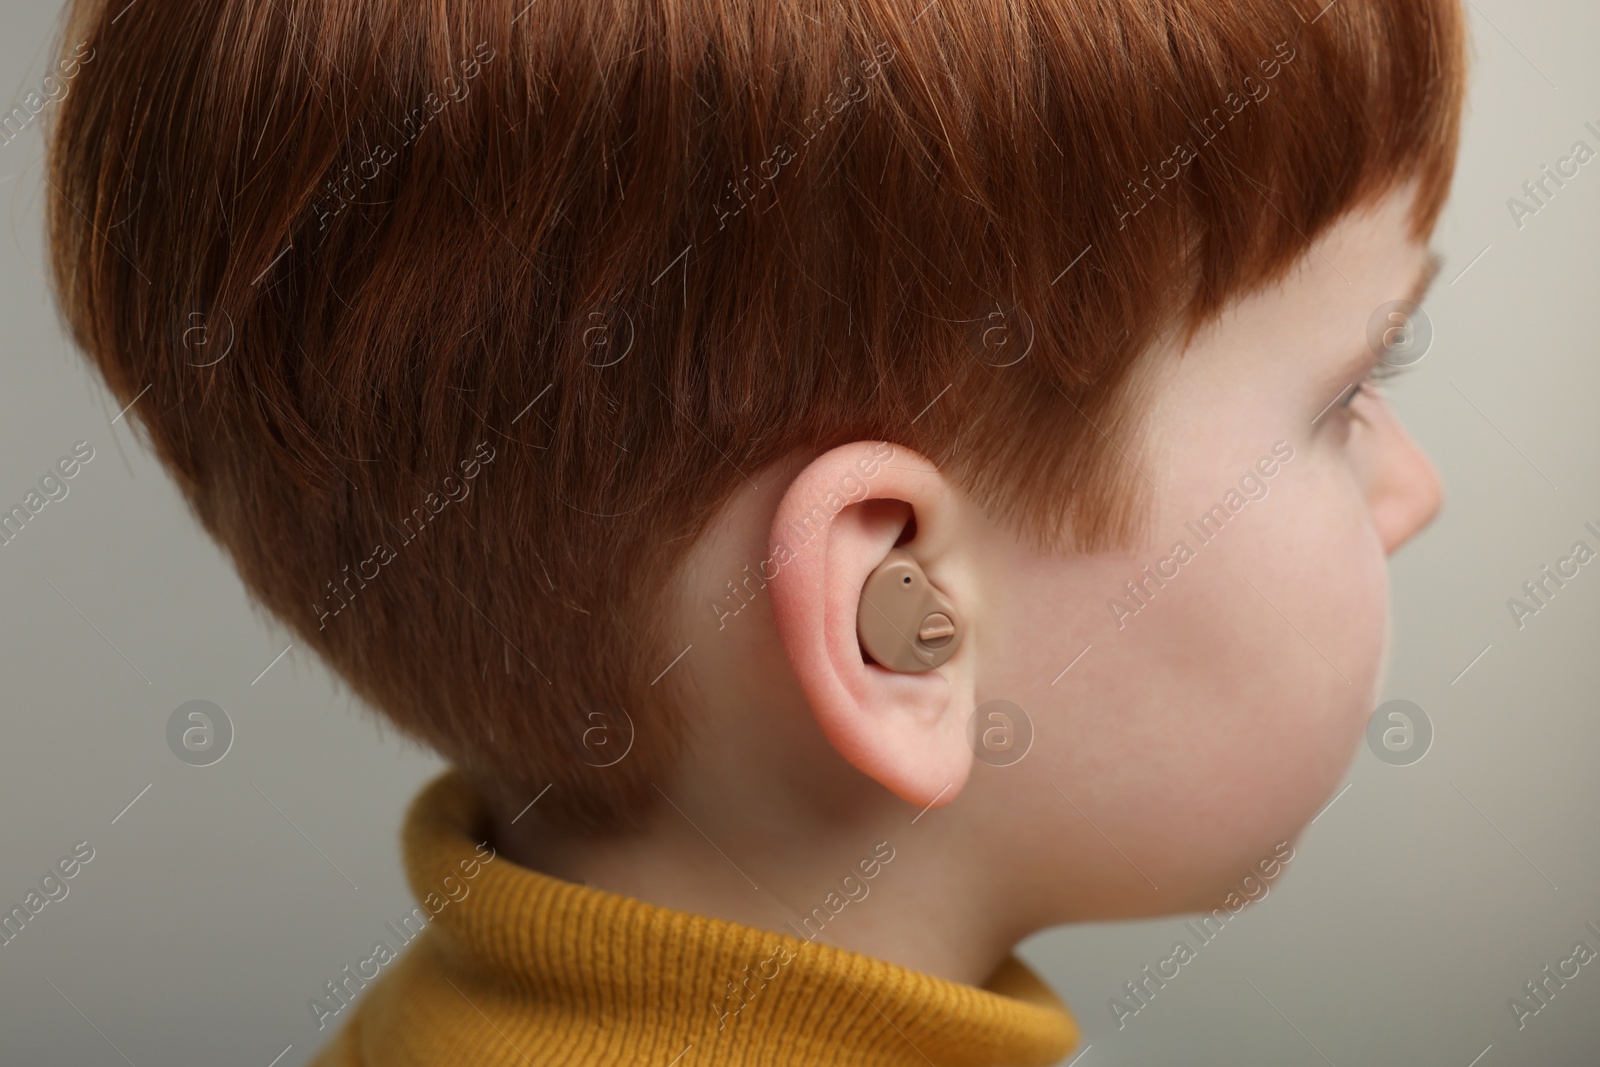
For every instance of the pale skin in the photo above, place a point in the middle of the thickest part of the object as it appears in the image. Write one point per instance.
(1168, 762)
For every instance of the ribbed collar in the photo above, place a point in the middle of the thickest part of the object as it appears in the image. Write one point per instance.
(543, 969)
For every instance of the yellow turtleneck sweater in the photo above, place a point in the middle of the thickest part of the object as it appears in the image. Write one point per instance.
(513, 968)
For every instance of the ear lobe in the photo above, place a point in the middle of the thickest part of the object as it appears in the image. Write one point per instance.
(908, 731)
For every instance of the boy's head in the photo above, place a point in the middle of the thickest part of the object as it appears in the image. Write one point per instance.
(1149, 721)
(527, 333)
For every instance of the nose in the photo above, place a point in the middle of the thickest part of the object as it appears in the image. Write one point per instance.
(1403, 492)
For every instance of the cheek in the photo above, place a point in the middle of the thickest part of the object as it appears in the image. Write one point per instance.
(1259, 671)
(1220, 717)
(1312, 616)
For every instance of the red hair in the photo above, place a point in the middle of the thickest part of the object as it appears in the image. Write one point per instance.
(612, 257)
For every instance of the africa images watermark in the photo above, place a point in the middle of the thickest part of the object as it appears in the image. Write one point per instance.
(1542, 189)
(737, 997)
(814, 123)
(382, 554)
(1539, 590)
(338, 193)
(342, 989)
(1541, 991)
(52, 91)
(52, 888)
(1253, 887)
(795, 536)
(52, 487)
(1252, 486)
(853, 888)
(1138, 195)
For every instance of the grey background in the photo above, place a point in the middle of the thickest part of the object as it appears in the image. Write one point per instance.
(1420, 901)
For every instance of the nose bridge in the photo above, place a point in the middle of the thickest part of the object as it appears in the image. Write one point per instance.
(1406, 494)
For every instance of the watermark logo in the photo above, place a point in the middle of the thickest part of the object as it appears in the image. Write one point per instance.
(199, 733)
(607, 335)
(208, 346)
(1003, 337)
(607, 736)
(1000, 733)
(1399, 333)
(1399, 733)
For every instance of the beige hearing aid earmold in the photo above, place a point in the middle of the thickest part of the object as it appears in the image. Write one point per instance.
(903, 622)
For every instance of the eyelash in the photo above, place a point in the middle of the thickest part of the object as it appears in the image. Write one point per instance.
(1378, 372)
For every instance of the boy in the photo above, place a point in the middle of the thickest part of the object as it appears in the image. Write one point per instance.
(848, 486)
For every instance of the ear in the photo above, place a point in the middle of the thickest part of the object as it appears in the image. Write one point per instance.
(837, 522)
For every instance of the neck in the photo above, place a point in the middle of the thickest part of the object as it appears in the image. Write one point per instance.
(861, 884)
(580, 973)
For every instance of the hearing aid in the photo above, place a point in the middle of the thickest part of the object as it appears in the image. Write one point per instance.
(904, 622)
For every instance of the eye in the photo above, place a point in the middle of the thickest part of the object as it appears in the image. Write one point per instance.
(1377, 374)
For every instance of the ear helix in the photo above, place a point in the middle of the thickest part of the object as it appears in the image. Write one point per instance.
(903, 622)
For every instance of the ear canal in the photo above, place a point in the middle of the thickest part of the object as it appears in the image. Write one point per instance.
(903, 622)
